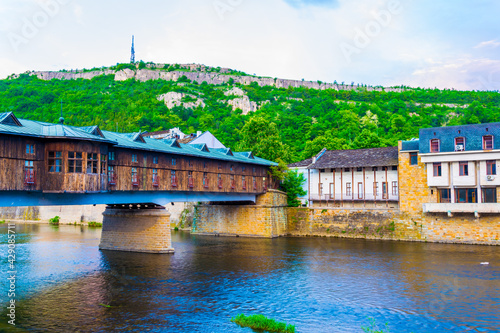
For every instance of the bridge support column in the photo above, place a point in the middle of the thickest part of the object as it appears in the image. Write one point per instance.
(136, 228)
(266, 218)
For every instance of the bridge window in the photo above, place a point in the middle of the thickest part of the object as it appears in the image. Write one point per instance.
(253, 170)
(103, 164)
(219, 180)
(220, 166)
(135, 179)
(75, 162)
(254, 183)
(243, 183)
(488, 142)
(111, 175)
(30, 149)
(463, 168)
(190, 163)
(173, 178)
(29, 173)
(92, 163)
(55, 161)
(243, 168)
(190, 179)
(111, 155)
(205, 180)
(155, 159)
(264, 183)
(204, 165)
(233, 183)
(491, 168)
(231, 167)
(174, 161)
(134, 157)
(156, 180)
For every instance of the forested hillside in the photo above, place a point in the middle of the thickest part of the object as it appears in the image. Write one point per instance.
(292, 123)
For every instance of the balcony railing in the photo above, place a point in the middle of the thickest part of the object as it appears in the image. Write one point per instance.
(29, 177)
(485, 207)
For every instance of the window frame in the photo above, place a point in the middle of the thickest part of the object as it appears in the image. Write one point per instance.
(413, 158)
(54, 159)
(463, 168)
(488, 139)
(348, 189)
(432, 147)
(437, 169)
(92, 163)
(457, 143)
(491, 167)
(74, 161)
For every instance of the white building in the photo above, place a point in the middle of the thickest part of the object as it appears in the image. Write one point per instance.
(352, 178)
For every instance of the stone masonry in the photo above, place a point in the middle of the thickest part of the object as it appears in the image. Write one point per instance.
(136, 230)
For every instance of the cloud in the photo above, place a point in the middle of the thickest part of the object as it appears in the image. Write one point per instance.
(317, 3)
(491, 43)
(464, 73)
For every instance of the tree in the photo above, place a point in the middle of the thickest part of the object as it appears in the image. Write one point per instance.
(292, 185)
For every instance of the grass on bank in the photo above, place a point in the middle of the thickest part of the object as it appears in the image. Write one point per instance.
(94, 224)
(261, 322)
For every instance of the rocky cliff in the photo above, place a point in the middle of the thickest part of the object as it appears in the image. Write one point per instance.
(199, 74)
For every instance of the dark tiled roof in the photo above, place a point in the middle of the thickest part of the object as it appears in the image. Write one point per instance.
(303, 163)
(410, 145)
(356, 158)
(473, 135)
(187, 139)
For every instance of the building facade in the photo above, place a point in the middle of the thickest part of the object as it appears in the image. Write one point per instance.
(352, 178)
(459, 168)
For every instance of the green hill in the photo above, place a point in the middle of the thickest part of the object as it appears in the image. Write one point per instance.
(293, 123)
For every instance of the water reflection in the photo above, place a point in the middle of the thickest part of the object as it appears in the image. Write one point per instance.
(319, 284)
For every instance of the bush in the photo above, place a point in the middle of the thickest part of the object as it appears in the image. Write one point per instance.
(94, 224)
(54, 220)
(261, 322)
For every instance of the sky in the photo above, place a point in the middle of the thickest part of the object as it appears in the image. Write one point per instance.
(418, 43)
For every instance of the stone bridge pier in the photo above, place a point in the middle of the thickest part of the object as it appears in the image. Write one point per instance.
(266, 218)
(136, 228)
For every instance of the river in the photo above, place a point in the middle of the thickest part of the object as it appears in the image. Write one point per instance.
(64, 283)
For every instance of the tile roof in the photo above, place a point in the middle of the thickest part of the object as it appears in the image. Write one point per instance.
(473, 135)
(410, 145)
(122, 140)
(371, 157)
(303, 163)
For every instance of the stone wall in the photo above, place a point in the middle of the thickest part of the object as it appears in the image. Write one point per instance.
(136, 230)
(394, 225)
(267, 218)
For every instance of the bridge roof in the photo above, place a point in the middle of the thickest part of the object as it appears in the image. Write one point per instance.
(11, 125)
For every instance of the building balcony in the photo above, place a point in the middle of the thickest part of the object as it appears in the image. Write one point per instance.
(491, 208)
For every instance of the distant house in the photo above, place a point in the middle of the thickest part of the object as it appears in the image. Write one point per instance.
(173, 133)
(352, 178)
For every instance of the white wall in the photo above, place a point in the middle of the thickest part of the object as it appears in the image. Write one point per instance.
(443, 180)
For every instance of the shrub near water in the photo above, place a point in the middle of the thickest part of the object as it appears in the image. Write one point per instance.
(261, 322)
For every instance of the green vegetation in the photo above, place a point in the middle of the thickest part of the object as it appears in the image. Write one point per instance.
(292, 124)
(372, 328)
(94, 224)
(2, 221)
(54, 220)
(261, 322)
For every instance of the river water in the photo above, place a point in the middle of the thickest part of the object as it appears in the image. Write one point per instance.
(65, 284)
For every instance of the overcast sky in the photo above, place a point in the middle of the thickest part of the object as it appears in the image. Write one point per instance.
(425, 43)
